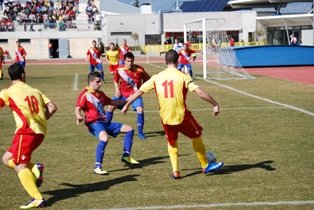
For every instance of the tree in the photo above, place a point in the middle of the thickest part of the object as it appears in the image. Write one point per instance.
(136, 3)
(135, 37)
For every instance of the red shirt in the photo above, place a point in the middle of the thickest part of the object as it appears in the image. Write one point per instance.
(123, 50)
(137, 74)
(20, 54)
(92, 103)
(94, 55)
(184, 56)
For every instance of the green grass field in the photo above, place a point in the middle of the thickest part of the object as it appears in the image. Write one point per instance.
(268, 150)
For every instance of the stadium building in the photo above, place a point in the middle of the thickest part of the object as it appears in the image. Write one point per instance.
(248, 22)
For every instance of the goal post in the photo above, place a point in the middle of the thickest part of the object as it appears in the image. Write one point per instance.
(216, 59)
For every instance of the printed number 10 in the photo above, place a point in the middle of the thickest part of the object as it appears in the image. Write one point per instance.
(166, 89)
(32, 104)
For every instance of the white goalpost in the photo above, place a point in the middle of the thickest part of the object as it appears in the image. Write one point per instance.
(216, 60)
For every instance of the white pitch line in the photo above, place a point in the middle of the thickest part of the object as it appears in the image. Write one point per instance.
(75, 83)
(215, 205)
(263, 99)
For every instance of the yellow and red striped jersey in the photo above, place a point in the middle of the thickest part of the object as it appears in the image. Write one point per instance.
(171, 86)
(28, 106)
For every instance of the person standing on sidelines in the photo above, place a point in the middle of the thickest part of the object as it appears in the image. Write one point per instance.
(94, 59)
(127, 80)
(122, 51)
(92, 101)
(1, 62)
(31, 110)
(112, 56)
(184, 59)
(20, 54)
(171, 87)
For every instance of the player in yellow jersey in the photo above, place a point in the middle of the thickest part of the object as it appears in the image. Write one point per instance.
(112, 56)
(31, 110)
(171, 87)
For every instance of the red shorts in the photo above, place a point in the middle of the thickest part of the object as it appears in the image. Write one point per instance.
(189, 127)
(113, 68)
(23, 146)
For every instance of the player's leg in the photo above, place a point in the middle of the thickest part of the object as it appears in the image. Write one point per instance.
(22, 155)
(111, 109)
(1, 74)
(191, 128)
(98, 129)
(99, 66)
(189, 67)
(180, 66)
(115, 129)
(172, 136)
(91, 68)
(139, 106)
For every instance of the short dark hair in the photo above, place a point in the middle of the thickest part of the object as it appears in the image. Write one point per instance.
(91, 76)
(129, 55)
(15, 71)
(94, 41)
(171, 57)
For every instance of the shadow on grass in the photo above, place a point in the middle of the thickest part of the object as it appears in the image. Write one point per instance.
(229, 169)
(75, 190)
(143, 163)
(154, 133)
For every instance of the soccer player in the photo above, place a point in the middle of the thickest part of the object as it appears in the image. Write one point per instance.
(92, 101)
(1, 62)
(93, 57)
(184, 58)
(127, 80)
(112, 56)
(31, 110)
(122, 51)
(20, 54)
(171, 88)
(177, 46)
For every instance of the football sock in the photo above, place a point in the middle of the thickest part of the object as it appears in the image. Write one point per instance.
(27, 179)
(100, 151)
(127, 142)
(173, 153)
(11, 164)
(140, 122)
(109, 116)
(102, 76)
(200, 151)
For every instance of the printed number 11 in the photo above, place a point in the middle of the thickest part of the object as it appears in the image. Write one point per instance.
(170, 84)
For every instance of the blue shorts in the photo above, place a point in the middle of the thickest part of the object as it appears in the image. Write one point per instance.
(180, 66)
(121, 62)
(22, 63)
(112, 128)
(137, 103)
(98, 66)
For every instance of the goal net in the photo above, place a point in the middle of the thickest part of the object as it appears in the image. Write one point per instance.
(215, 59)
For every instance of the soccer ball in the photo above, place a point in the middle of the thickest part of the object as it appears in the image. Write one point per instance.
(211, 157)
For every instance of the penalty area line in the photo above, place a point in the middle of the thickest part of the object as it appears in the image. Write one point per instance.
(215, 205)
(263, 99)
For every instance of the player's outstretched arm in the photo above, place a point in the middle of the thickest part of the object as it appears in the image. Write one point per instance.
(206, 97)
(130, 100)
(50, 109)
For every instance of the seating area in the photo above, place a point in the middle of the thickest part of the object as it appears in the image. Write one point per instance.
(39, 15)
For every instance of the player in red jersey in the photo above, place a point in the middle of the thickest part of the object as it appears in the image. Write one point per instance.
(92, 101)
(127, 80)
(171, 87)
(122, 51)
(94, 59)
(20, 54)
(31, 110)
(184, 58)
